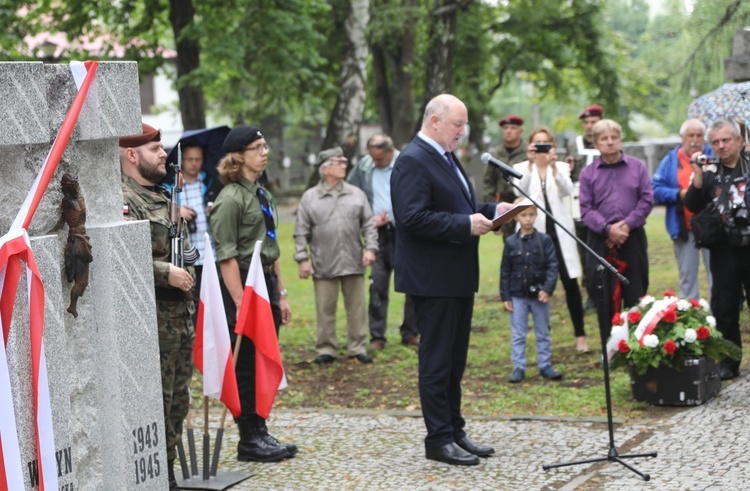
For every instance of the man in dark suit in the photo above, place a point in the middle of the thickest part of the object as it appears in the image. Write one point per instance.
(438, 224)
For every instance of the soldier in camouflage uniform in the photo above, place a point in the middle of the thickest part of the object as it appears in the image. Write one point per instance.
(511, 151)
(143, 162)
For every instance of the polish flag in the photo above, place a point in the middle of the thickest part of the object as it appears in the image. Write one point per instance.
(256, 322)
(213, 350)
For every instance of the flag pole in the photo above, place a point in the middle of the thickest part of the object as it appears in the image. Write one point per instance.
(220, 431)
(191, 444)
(206, 440)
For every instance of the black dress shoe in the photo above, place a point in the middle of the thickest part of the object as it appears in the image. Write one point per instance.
(471, 447)
(362, 358)
(451, 454)
(321, 359)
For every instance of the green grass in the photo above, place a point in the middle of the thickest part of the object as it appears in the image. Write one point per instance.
(391, 382)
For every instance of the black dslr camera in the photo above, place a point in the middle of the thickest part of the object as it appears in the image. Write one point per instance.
(532, 291)
(740, 214)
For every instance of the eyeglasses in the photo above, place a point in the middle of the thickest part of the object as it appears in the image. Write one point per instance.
(338, 160)
(257, 148)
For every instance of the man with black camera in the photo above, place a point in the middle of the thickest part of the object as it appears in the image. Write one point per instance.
(721, 184)
(671, 182)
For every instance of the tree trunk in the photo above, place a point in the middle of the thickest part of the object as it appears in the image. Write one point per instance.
(192, 103)
(439, 65)
(395, 100)
(343, 127)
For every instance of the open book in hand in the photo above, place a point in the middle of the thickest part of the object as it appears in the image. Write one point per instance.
(510, 213)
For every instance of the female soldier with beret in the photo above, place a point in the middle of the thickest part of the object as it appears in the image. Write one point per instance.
(242, 214)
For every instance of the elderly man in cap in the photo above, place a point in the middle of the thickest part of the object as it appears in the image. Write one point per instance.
(243, 214)
(143, 162)
(671, 182)
(511, 152)
(333, 220)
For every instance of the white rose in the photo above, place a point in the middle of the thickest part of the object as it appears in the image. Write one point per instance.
(704, 305)
(651, 340)
(711, 320)
(690, 335)
(646, 300)
(683, 305)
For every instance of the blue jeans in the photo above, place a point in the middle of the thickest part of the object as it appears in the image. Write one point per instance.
(518, 322)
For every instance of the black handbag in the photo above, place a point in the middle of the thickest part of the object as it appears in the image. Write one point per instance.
(707, 226)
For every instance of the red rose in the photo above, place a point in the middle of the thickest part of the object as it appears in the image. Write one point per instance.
(634, 317)
(703, 332)
(670, 316)
(623, 347)
(669, 293)
(670, 347)
(617, 319)
(695, 303)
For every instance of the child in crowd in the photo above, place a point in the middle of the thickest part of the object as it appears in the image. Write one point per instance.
(528, 276)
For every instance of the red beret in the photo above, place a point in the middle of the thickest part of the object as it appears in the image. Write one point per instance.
(150, 134)
(595, 110)
(511, 119)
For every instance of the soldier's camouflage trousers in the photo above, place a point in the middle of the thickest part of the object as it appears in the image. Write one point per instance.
(176, 338)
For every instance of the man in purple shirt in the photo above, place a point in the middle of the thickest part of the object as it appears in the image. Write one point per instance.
(616, 197)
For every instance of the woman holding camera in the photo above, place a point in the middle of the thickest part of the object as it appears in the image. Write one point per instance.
(548, 182)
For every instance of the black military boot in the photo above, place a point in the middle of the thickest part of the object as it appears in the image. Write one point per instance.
(291, 448)
(170, 476)
(252, 447)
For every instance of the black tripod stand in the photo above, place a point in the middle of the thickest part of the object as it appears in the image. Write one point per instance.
(604, 266)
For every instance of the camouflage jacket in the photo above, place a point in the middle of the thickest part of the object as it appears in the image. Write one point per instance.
(494, 184)
(152, 204)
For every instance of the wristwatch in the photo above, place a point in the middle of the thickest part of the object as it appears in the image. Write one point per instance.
(283, 293)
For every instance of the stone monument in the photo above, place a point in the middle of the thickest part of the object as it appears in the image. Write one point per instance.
(737, 66)
(103, 366)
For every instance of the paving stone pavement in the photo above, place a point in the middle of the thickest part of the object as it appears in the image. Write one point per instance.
(700, 448)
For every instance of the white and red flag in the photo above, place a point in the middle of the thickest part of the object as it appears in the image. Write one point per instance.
(256, 322)
(213, 349)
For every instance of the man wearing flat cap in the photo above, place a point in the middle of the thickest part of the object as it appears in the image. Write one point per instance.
(243, 213)
(143, 162)
(335, 239)
(511, 152)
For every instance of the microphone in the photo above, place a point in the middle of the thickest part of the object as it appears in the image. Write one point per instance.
(504, 168)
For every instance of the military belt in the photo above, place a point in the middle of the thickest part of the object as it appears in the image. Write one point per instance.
(267, 269)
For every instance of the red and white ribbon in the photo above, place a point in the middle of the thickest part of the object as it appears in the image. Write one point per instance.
(11, 472)
(651, 318)
(15, 248)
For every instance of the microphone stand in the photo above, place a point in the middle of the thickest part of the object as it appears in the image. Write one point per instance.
(602, 268)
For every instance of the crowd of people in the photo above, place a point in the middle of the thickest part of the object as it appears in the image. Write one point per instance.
(414, 214)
